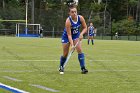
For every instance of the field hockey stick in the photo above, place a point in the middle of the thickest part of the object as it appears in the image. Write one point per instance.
(70, 53)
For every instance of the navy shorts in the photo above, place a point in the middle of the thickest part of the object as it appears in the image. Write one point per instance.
(91, 35)
(66, 40)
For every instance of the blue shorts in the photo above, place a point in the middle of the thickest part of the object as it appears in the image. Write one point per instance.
(91, 34)
(66, 40)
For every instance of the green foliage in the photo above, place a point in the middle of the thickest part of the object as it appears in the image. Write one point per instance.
(13, 10)
(126, 27)
(1, 25)
(52, 13)
(97, 20)
(13, 3)
(118, 9)
(133, 2)
(95, 7)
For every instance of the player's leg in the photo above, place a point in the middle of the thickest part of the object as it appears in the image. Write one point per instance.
(92, 40)
(65, 46)
(63, 58)
(65, 53)
(81, 57)
(88, 40)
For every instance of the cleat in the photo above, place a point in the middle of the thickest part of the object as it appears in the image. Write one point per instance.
(61, 70)
(61, 73)
(84, 71)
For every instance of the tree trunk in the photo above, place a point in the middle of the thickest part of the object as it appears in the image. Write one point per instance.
(3, 4)
(105, 16)
(127, 9)
(137, 12)
(33, 11)
(129, 13)
(90, 15)
(99, 1)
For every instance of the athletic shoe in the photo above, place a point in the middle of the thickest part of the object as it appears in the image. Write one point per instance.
(84, 71)
(61, 70)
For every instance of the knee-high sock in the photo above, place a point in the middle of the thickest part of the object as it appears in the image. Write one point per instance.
(81, 59)
(88, 41)
(92, 41)
(62, 61)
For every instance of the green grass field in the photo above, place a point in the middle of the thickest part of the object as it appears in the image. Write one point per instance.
(31, 64)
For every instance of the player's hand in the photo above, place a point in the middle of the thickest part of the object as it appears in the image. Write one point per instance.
(81, 37)
(72, 47)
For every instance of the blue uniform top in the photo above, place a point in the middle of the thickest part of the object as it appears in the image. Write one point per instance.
(91, 31)
(75, 30)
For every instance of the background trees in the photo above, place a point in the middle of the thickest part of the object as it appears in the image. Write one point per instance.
(109, 15)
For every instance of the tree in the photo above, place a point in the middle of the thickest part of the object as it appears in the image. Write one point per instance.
(132, 8)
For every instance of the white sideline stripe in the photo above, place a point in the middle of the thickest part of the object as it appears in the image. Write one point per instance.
(13, 79)
(45, 88)
(29, 60)
(105, 60)
(124, 82)
(134, 54)
(110, 71)
(14, 89)
(55, 60)
(15, 71)
(115, 70)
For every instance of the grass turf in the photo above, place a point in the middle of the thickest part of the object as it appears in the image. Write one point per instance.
(114, 66)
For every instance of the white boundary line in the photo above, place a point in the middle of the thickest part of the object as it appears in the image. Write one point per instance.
(30, 60)
(115, 70)
(43, 87)
(16, 71)
(12, 89)
(13, 79)
(6, 87)
(100, 70)
(104, 60)
(124, 82)
(110, 71)
(26, 60)
(134, 54)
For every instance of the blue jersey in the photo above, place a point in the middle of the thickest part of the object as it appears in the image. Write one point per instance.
(91, 31)
(75, 30)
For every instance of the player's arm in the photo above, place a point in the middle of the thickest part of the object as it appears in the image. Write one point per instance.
(68, 29)
(88, 30)
(84, 27)
(95, 30)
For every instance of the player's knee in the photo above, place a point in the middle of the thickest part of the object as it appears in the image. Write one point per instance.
(79, 51)
(65, 54)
